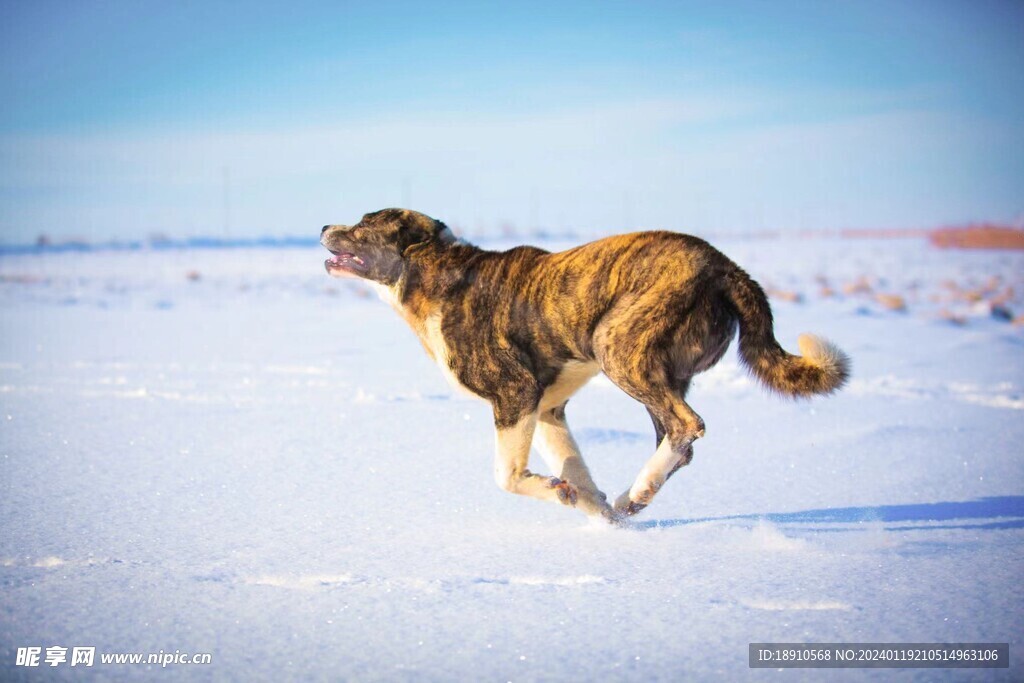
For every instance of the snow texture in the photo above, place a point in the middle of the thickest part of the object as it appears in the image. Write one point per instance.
(224, 451)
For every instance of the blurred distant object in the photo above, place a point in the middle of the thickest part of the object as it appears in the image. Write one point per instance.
(784, 295)
(951, 317)
(882, 233)
(1003, 296)
(1001, 312)
(978, 236)
(824, 287)
(891, 302)
(859, 286)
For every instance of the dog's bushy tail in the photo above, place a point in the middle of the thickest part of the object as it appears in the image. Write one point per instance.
(823, 367)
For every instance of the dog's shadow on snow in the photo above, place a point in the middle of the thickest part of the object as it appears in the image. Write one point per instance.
(999, 512)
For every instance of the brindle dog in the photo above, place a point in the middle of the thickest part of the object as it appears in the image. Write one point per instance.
(524, 329)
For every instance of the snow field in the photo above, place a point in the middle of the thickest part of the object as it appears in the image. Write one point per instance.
(262, 464)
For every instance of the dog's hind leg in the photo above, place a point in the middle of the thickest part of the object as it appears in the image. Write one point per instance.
(510, 465)
(659, 432)
(659, 428)
(562, 455)
(674, 451)
(676, 426)
(658, 470)
(665, 462)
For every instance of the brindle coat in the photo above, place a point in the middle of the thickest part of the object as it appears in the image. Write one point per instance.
(524, 329)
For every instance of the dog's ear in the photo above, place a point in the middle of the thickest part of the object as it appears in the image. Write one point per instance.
(418, 230)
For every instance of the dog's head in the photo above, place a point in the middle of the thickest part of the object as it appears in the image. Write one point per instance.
(378, 246)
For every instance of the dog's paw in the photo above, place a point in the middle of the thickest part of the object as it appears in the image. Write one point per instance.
(613, 517)
(632, 508)
(626, 507)
(565, 491)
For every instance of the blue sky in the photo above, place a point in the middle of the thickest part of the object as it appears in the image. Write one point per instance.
(127, 119)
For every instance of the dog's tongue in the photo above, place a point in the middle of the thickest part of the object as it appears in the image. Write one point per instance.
(337, 259)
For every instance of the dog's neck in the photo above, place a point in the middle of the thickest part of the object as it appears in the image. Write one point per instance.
(430, 271)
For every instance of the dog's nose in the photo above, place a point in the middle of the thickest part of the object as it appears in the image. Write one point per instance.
(324, 229)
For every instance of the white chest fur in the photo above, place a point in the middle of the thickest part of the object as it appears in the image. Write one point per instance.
(429, 333)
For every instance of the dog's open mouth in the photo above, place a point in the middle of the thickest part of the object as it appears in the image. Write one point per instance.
(345, 262)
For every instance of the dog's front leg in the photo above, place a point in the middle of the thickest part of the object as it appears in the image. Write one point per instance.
(511, 458)
(562, 455)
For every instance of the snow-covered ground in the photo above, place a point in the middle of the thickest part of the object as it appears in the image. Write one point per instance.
(226, 452)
